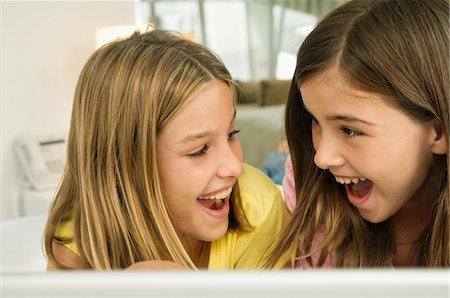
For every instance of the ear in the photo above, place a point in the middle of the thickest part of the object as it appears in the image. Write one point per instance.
(439, 141)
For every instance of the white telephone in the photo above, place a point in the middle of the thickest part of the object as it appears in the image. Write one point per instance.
(43, 159)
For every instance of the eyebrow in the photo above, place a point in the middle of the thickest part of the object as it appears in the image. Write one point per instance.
(348, 118)
(193, 137)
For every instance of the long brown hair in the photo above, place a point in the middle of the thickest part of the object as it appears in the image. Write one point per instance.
(127, 92)
(397, 48)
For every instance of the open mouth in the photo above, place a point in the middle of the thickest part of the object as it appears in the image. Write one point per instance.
(215, 204)
(215, 201)
(359, 193)
(360, 189)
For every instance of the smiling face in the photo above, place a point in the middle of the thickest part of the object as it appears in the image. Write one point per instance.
(381, 155)
(199, 161)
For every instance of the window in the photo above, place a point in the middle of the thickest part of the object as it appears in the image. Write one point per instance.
(256, 39)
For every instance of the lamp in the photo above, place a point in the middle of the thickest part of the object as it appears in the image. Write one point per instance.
(107, 34)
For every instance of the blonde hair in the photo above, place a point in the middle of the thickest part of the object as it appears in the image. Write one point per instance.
(127, 92)
(397, 48)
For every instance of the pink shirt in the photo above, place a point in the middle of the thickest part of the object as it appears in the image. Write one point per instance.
(289, 185)
(290, 201)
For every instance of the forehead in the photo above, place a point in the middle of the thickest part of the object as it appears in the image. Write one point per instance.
(330, 87)
(209, 110)
(329, 96)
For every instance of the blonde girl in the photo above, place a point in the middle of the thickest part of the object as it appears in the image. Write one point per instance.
(154, 174)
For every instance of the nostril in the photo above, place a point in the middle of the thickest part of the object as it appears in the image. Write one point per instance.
(326, 159)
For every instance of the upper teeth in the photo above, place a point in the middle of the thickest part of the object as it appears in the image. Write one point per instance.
(218, 196)
(355, 180)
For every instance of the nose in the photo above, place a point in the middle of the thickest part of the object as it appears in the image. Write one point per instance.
(328, 154)
(230, 160)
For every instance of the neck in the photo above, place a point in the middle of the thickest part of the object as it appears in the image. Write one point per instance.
(408, 225)
(198, 251)
(409, 222)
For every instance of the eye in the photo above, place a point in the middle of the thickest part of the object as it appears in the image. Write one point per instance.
(199, 153)
(351, 133)
(231, 135)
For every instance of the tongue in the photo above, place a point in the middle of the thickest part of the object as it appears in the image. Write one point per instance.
(364, 187)
(211, 204)
(207, 203)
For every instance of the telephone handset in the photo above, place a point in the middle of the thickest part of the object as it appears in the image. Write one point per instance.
(43, 159)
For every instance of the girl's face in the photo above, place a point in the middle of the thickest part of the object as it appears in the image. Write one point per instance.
(377, 152)
(199, 159)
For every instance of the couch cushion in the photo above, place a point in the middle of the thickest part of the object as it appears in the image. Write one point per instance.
(250, 92)
(274, 92)
(262, 130)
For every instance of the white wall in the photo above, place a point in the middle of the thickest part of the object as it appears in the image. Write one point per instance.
(43, 46)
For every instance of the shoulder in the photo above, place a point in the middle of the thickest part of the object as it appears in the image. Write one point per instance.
(66, 258)
(315, 257)
(256, 187)
(259, 194)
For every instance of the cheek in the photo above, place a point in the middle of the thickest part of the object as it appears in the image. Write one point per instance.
(171, 184)
(177, 196)
(164, 171)
(167, 189)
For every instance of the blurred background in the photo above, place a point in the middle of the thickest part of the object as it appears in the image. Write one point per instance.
(44, 45)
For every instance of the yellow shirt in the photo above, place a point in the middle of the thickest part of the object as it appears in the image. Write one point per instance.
(265, 210)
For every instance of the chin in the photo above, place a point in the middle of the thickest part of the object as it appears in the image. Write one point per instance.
(216, 233)
(373, 218)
